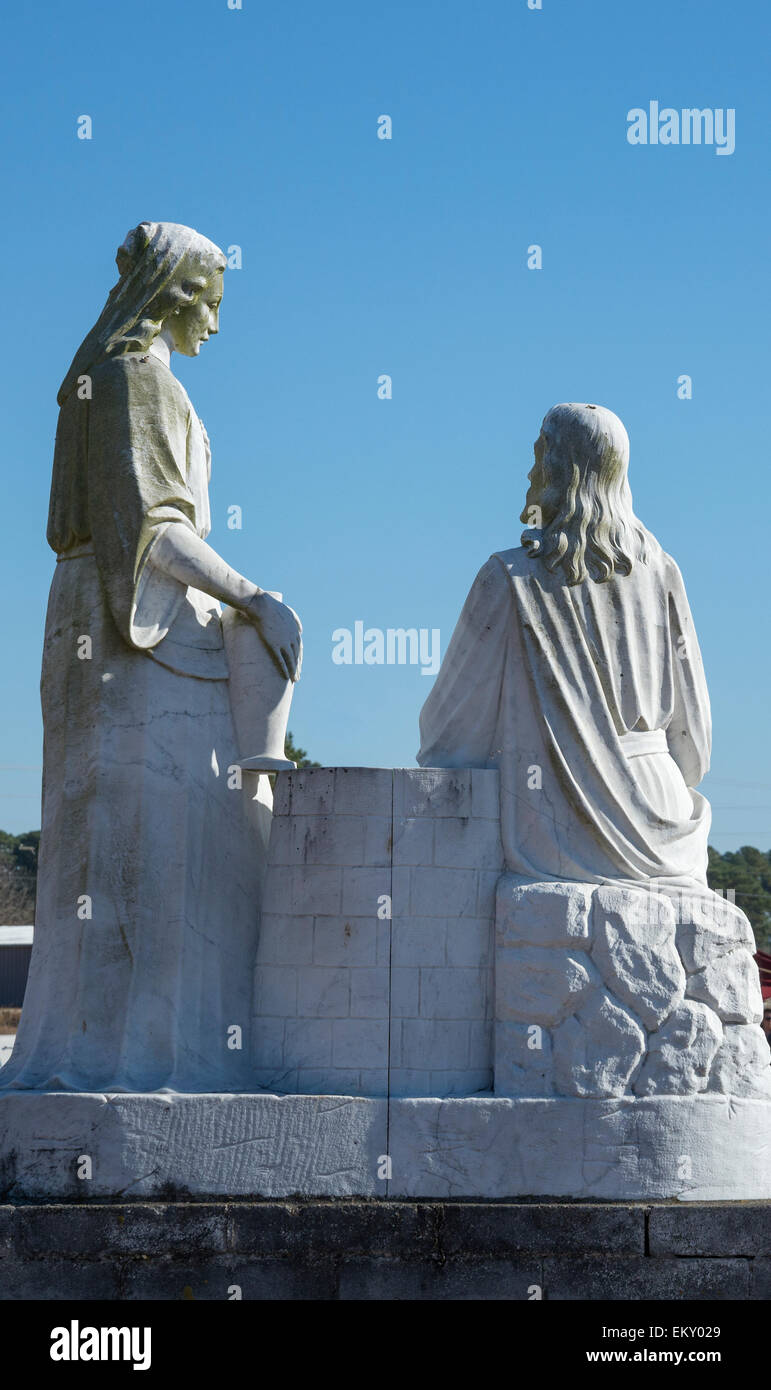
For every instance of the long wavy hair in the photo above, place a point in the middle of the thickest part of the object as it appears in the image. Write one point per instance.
(579, 505)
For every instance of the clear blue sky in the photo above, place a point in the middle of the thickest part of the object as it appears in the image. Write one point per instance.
(408, 257)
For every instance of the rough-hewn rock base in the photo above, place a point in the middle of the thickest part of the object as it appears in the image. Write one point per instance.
(353, 1249)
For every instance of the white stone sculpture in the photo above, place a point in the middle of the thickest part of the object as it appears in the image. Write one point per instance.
(561, 1010)
(152, 854)
(575, 670)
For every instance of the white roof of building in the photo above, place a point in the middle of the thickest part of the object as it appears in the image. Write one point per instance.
(16, 936)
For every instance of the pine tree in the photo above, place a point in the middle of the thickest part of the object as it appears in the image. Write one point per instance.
(297, 755)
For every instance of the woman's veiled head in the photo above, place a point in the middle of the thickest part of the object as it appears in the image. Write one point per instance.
(579, 506)
(165, 268)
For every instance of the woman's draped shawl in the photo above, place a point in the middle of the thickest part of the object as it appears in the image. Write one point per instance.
(128, 462)
(541, 680)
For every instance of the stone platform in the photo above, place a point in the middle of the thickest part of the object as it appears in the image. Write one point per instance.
(80, 1147)
(386, 1250)
(427, 1026)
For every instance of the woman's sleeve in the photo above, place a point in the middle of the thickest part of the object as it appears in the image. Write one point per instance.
(459, 721)
(137, 458)
(689, 734)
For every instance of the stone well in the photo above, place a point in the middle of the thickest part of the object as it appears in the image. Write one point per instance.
(374, 970)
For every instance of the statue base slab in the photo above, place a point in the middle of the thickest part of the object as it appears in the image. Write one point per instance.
(72, 1146)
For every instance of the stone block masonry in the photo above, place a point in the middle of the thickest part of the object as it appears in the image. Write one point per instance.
(322, 1251)
(374, 969)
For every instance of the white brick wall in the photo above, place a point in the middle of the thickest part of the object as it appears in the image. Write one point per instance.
(348, 1003)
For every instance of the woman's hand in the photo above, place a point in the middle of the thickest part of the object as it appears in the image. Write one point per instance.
(280, 629)
(183, 555)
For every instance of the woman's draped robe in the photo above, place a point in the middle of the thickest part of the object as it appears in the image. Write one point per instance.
(591, 700)
(151, 860)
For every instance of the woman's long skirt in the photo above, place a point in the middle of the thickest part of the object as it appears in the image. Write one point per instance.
(149, 874)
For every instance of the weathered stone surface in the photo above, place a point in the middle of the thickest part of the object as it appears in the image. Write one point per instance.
(681, 1053)
(365, 1279)
(145, 1145)
(364, 791)
(214, 1279)
(431, 792)
(760, 1287)
(541, 984)
(597, 1052)
(467, 842)
(87, 1231)
(399, 925)
(56, 1280)
(312, 1230)
(279, 1147)
(423, 1043)
(453, 993)
(310, 790)
(634, 948)
(731, 986)
(610, 1149)
(635, 1279)
(542, 1228)
(542, 914)
(721, 1229)
(709, 927)
(742, 1064)
(523, 1060)
(337, 1250)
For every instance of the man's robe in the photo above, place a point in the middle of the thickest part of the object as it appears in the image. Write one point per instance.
(591, 701)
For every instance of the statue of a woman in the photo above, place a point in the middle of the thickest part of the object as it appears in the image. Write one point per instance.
(575, 669)
(150, 862)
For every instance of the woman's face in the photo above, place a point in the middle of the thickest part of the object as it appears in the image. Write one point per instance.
(196, 322)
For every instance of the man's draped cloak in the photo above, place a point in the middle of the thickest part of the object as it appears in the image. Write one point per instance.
(562, 689)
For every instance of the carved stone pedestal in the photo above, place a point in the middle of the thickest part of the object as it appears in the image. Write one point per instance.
(83, 1147)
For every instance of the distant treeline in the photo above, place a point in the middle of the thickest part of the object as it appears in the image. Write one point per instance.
(748, 872)
(18, 877)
